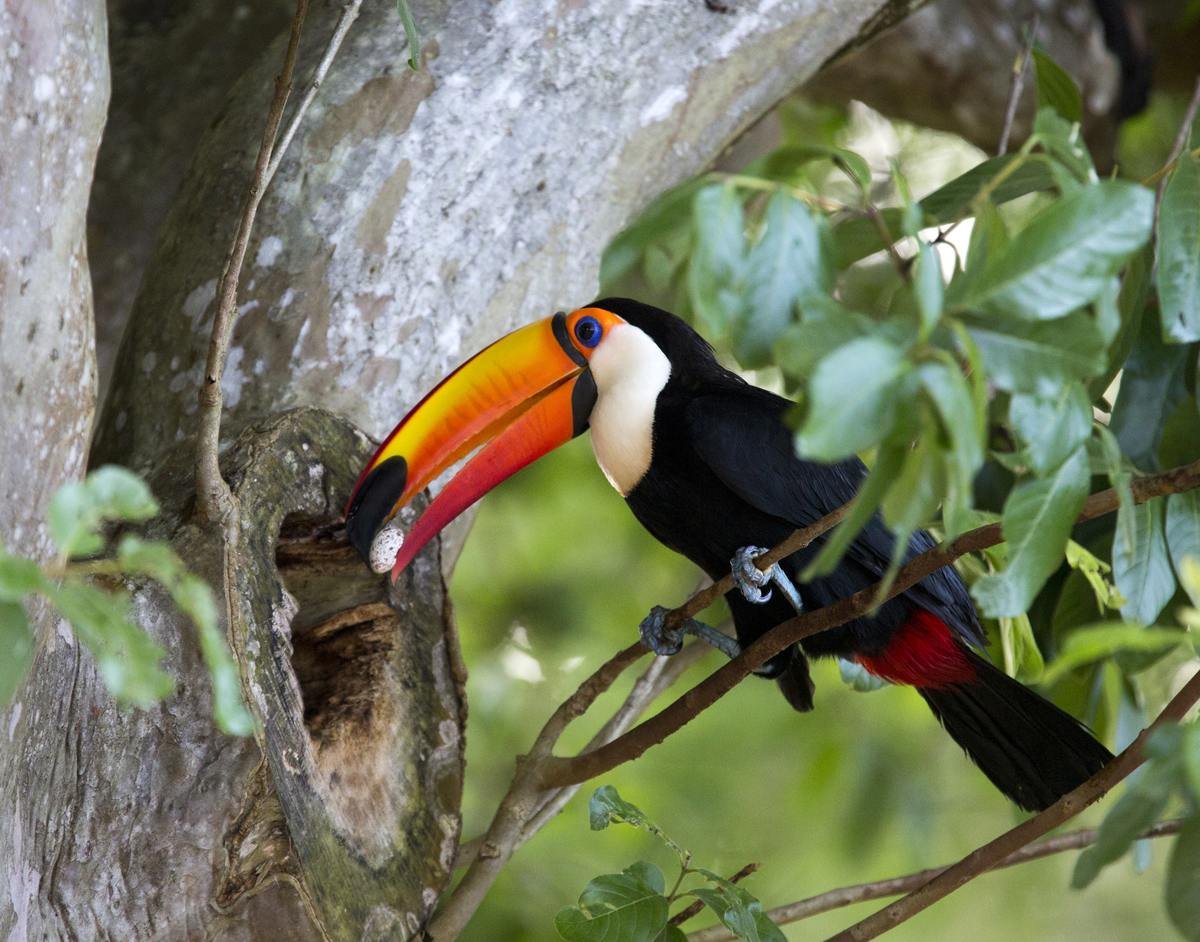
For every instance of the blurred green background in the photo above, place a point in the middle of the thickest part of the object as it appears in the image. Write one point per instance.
(556, 575)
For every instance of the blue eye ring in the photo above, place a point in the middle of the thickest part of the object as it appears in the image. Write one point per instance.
(588, 331)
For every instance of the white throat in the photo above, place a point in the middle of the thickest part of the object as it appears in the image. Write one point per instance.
(630, 371)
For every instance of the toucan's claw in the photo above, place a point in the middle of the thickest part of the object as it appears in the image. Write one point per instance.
(748, 577)
(660, 639)
(666, 641)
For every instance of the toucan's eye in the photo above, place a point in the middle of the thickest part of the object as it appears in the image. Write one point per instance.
(588, 330)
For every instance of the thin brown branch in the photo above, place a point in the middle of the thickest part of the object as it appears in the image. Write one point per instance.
(1020, 68)
(521, 802)
(1181, 139)
(694, 909)
(215, 499)
(879, 889)
(797, 541)
(556, 771)
(658, 676)
(992, 853)
(345, 21)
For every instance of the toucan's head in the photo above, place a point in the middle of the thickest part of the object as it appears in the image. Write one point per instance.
(516, 400)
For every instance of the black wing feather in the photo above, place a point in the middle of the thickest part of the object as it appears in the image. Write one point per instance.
(740, 434)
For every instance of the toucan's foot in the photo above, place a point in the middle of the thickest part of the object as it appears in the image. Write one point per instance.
(660, 639)
(748, 577)
(667, 641)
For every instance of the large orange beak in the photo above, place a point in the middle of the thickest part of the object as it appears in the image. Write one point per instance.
(523, 396)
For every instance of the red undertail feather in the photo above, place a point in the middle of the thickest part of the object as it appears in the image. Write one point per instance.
(923, 653)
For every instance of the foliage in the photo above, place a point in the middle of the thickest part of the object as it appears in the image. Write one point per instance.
(83, 585)
(974, 373)
(634, 905)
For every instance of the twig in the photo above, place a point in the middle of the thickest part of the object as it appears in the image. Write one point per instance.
(345, 21)
(797, 541)
(556, 771)
(865, 892)
(661, 674)
(694, 909)
(1181, 139)
(215, 499)
(990, 854)
(1020, 67)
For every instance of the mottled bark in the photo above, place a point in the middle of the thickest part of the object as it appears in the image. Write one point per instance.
(53, 92)
(172, 67)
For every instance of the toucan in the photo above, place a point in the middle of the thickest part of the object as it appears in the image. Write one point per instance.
(707, 464)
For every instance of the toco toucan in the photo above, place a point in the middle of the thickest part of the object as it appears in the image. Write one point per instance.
(706, 463)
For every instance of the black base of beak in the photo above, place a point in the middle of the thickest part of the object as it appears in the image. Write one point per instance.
(373, 501)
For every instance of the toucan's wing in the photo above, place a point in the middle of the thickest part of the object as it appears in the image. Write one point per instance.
(742, 437)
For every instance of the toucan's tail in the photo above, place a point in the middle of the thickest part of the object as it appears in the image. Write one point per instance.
(1030, 749)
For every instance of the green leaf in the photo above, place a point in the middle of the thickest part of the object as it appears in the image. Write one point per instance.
(18, 577)
(1055, 88)
(1137, 809)
(1142, 568)
(1152, 387)
(1178, 265)
(783, 164)
(852, 399)
(195, 599)
(1068, 160)
(740, 912)
(1183, 881)
(410, 32)
(617, 907)
(953, 200)
(928, 288)
(1095, 642)
(1183, 528)
(669, 215)
(1095, 572)
(1022, 356)
(78, 509)
(1022, 656)
(1038, 517)
(790, 261)
(671, 934)
(870, 493)
(962, 428)
(607, 806)
(825, 326)
(917, 490)
(718, 264)
(127, 657)
(1066, 256)
(16, 648)
(1052, 427)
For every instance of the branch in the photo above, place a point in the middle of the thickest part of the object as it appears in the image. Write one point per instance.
(864, 892)
(215, 500)
(1020, 67)
(1181, 139)
(992, 853)
(556, 771)
(694, 909)
(526, 806)
(212, 492)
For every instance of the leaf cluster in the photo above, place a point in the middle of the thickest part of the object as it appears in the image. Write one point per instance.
(86, 587)
(634, 905)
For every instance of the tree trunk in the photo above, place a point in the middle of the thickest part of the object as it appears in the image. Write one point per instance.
(417, 215)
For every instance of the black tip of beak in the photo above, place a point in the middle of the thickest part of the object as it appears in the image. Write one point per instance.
(373, 501)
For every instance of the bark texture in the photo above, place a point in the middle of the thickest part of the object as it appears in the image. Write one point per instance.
(53, 94)
(172, 68)
(417, 215)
